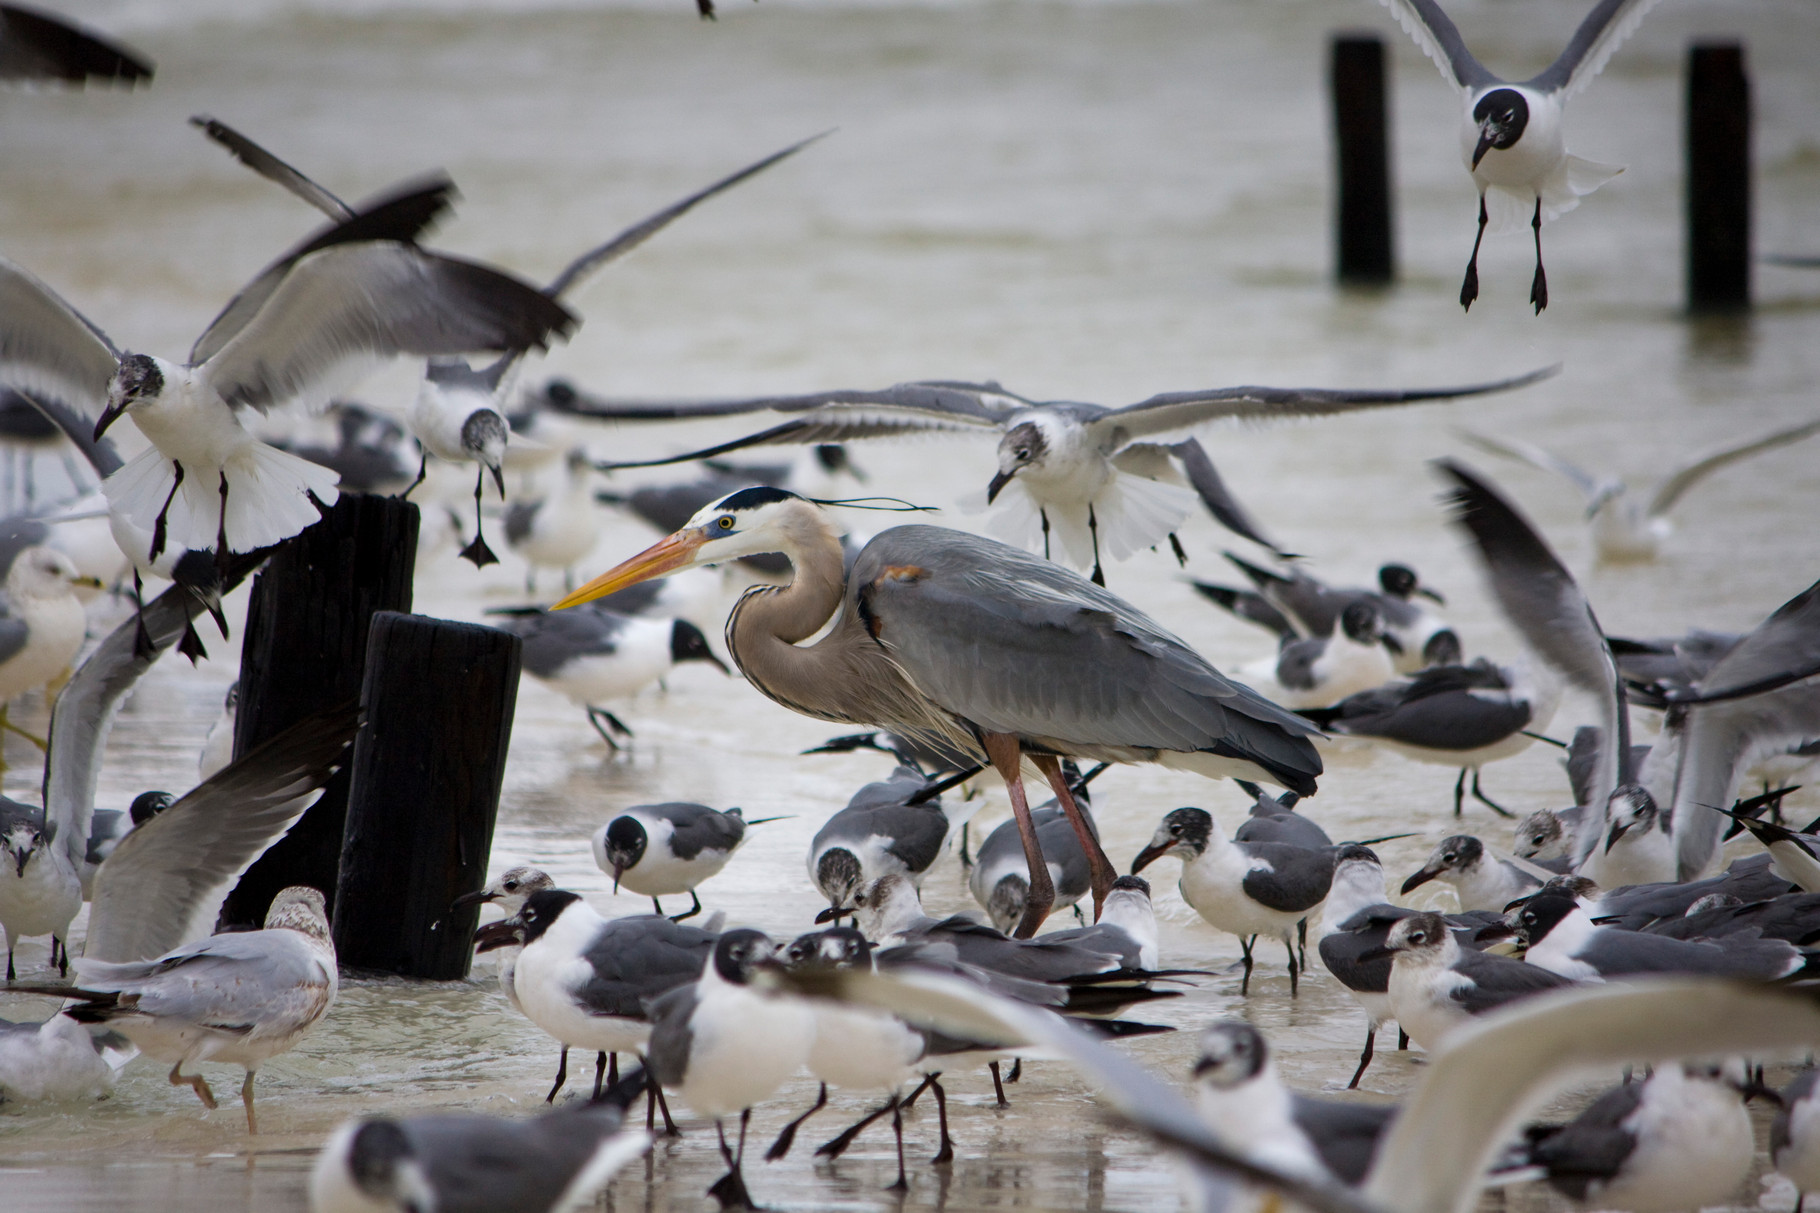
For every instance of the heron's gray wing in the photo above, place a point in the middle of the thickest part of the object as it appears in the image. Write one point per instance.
(1684, 478)
(148, 893)
(1599, 36)
(1544, 604)
(642, 231)
(79, 429)
(1493, 1074)
(239, 981)
(1439, 38)
(272, 168)
(1016, 644)
(50, 349)
(342, 309)
(36, 46)
(1536, 457)
(84, 711)
(1179, 410)
(402, 215)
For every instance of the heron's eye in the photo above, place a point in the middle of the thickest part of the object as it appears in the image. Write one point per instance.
(726, 522)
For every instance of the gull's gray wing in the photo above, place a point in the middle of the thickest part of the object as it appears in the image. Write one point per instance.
(1684, 478)
(990, 633)
(1345, 1135)
(48, 348)
(635, 960)
(341, 309)
(488, 1164)
(149, 891)
(696, 828)
(643, 230)
(79, 428)
(1439, 38)
(400, 215)
(1535, 456)
(36, 46)
(552, 639)
(14, 631)
(1544, 604)
(1591, 1146)
(1179, 410)
(84, 711)
(255, 982)
(1599, 36)
(272, 168)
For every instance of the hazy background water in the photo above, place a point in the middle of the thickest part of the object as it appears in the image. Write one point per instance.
(1089, 201)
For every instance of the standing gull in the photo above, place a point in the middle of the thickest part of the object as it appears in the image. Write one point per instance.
(1511, 135)
(663, 849)
(1482, 880)
(891, 826)
(937, 633)
(1436, 987)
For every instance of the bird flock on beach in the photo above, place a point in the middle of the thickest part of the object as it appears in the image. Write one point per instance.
(1663, 913)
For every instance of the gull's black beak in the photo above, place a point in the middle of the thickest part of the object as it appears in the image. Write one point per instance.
(502, 934)
(499, 478)
(1488, 138)
(1420, 878)
(477, 897)
(109, 415)
(1431, 595)
(1371, 954)
(997, 486)
(832, 914)
(1617, 832)
(1149, 855)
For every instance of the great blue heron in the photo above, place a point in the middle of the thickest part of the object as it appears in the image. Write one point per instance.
(1510, 134)
(949, 636)
(1082, 471)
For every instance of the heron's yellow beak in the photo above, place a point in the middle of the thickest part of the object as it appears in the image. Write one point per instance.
(663, 557)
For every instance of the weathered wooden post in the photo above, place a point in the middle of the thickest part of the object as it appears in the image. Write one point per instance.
(1718, 178)
(426, 774)
(1362, 217)
(304, 651)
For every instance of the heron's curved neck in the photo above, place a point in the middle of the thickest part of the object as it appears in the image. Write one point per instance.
(768, 622)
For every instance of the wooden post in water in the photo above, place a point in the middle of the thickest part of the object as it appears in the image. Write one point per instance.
(1362, 217)
(304, 651)
(1718, 179)
(427, 769)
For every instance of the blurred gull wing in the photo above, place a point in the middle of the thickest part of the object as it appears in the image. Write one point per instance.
(49, 348)
(1597, 39)
(400, 215)
(80, 430)
(642, 231)
(1180, 410)
(1496, 1071)
(272, 168)
(149, 891)
(1536, 457)
(1684, 478)
(1154, 460)
(1439, 38)
(342, 309)
(39, 47)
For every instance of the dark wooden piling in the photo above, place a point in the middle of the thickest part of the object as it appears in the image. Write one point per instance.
(304, 651)
(1718, 179)
(1362, 217)
(426, 771)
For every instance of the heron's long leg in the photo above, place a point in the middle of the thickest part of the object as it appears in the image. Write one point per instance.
(246, 1097)
(1007, 758)
(1538, 289)
(1100, 869)
(194, 1082)
(1469, 289)
(1371, 1039)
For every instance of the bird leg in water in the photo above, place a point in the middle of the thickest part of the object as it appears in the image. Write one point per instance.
(1245, 942)
(786, 1136)
(730, 1189)
(423, 469)
(1017, 1070)
(1181, 555)
(562, 1075)
(897, 1131)
(596, 715)
(1538, 289)
(998, 1085)
(1044, 515)
(655, 1103)
(1093, 530)
(194, 1082)
(478, 553)
(1469, 289)
(1485, 800)
(158, 524)
(600, 1070)
(1006, 754)
(691, 912)
(1371, 1039)
(946, 1153)
(246, 1097)
(1101, 871)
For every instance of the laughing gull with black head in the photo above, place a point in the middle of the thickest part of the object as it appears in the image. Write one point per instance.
(588, 981)
(1313, 671)
(892, 826)
(1511, 134)
(663, 849)
(1437, 987)
(1482, 880)
(508, 891)
(593, 655)
(1412, 635)
(1678, 1139)
(1794, 1136)
(1563, 939)
(554, 1163)
(722, 1045)
(1247, 888)
(236, 998)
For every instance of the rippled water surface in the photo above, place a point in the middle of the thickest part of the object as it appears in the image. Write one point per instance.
(1090, 201)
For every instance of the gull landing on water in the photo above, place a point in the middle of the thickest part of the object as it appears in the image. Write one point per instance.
(1071, 475)
(1511, 137)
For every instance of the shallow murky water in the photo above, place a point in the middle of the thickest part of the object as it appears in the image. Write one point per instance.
(1094, 201)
